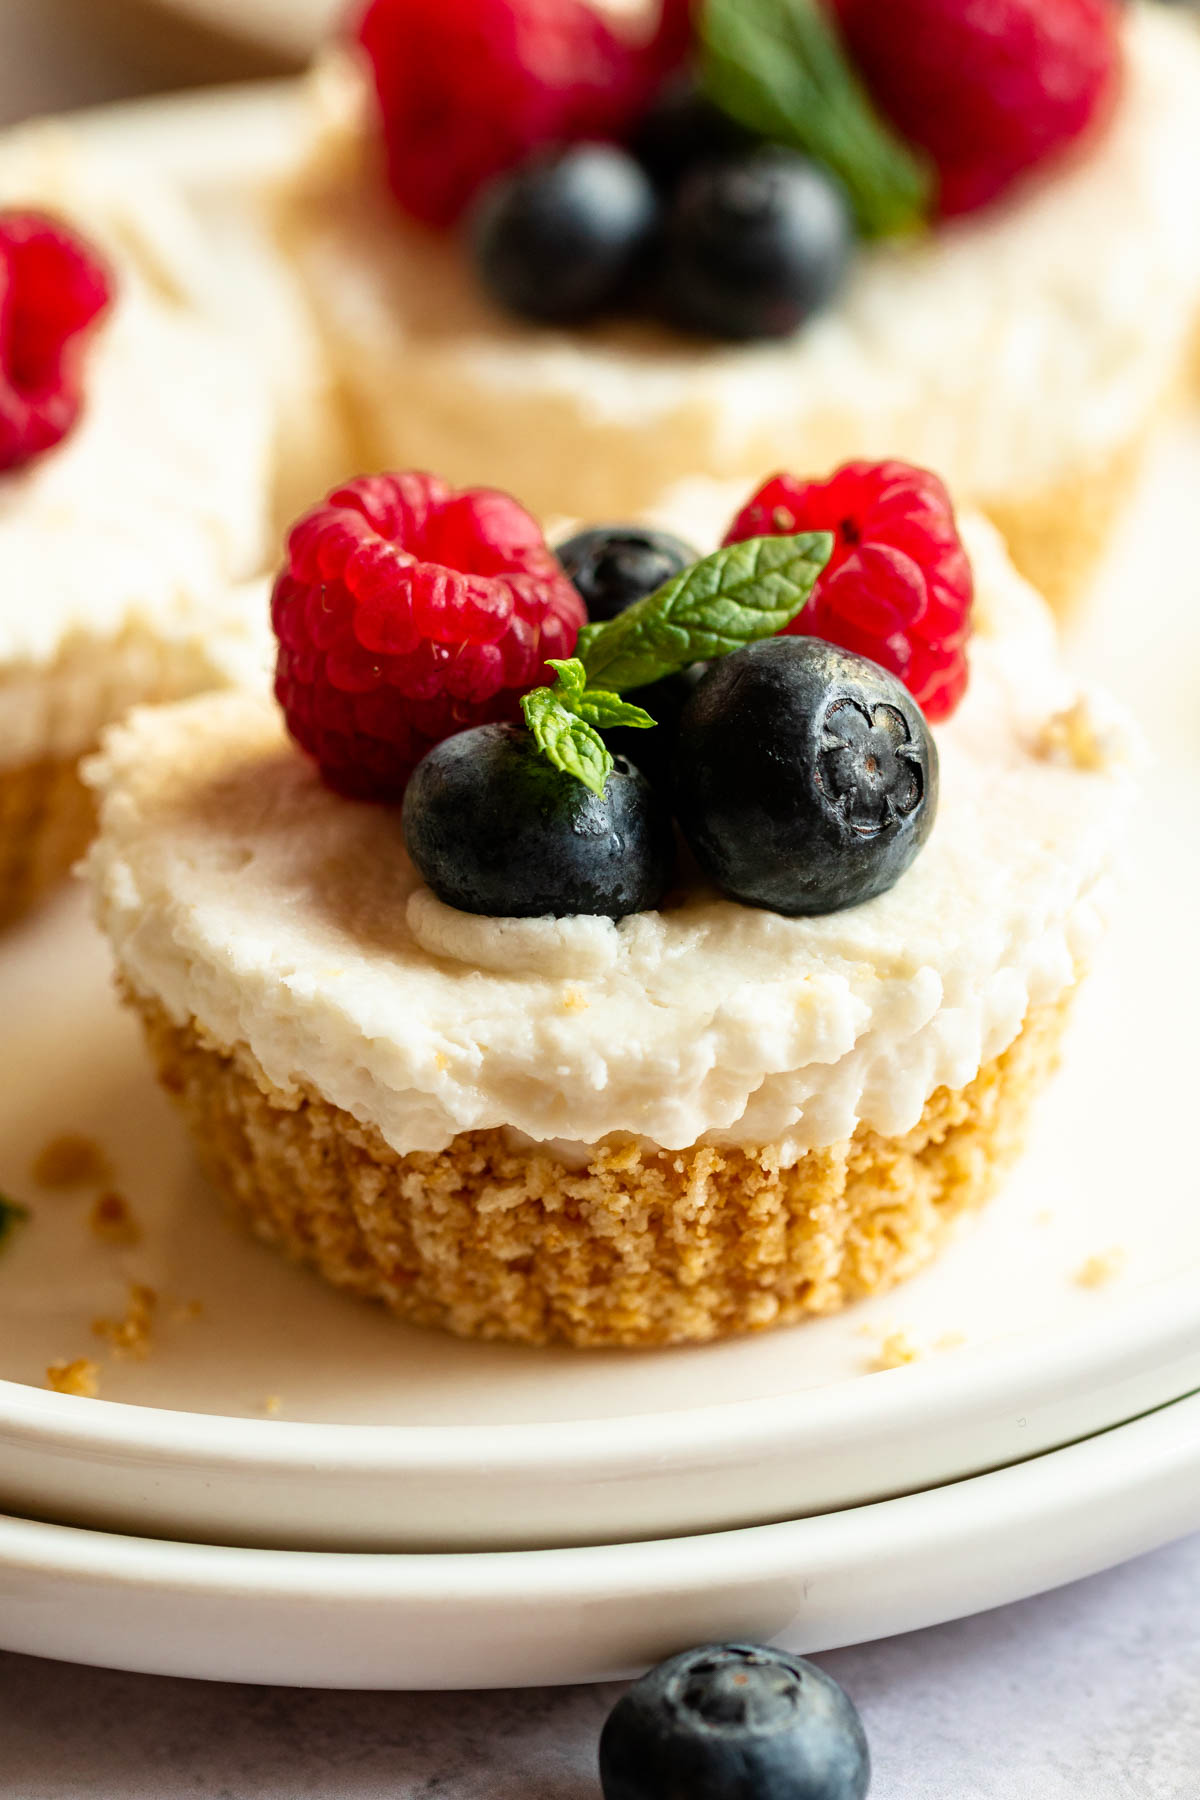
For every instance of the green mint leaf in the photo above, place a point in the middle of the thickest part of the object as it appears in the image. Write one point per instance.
(595, 705)
(741, 593)
(568, 741)
(11, 1215)
(777, 66)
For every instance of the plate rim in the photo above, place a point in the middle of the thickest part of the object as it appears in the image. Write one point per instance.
(1158, 1319)
(970, 1378)
(1052, 1519)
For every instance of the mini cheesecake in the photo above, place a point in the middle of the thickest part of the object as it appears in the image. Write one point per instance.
(1024, 351)
(673, 1127)
(120, 545)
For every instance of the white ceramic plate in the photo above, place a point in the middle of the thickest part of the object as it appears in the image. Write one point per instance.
(390, 1438)
(545, 1617)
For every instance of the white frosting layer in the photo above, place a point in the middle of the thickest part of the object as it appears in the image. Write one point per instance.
(1008, 351)
(239, 892)
(123, 542)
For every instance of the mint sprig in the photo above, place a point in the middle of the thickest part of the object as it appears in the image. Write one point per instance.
(777, 67)
(12, 1214)
(741, 593)
(566, 721)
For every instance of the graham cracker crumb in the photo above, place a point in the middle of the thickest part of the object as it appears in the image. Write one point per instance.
(896, 1349)
(130, 1336)
(272, 1403)
(71, 1160)
(81, 1377)
(574, 1000)
(1099, 1270)
(1074, 736)
(441, 1061)
(112, 1219)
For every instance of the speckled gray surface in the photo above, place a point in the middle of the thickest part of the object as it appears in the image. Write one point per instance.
(1091, 1693)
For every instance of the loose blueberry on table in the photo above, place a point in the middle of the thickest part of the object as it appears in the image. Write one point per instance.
(787, 681)
(734, 1722)
(742, 147)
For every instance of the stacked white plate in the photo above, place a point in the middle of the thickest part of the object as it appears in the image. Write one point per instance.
(291, 1487)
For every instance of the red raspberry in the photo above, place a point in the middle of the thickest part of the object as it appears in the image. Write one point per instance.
(53, 287)
(468, 88)
(989, 90)
(898, 586)
(407, 612)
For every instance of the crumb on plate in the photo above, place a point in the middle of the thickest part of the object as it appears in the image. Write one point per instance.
(70, 1160)
(1099, 1270)
(112, 1219)
(130, 1336)
(80, 1377)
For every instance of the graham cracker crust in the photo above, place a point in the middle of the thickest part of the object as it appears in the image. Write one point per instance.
(641, 1247)
(47, 818)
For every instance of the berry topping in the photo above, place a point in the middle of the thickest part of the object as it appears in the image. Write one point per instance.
(735, 1722)
(494, 828)
(684, 128)
(989, 91)
(407, 611)
(53, 288)
(614, 565)
(561, 237)
(754, 244)
(898, 586)
(805, 777)
(468, 88)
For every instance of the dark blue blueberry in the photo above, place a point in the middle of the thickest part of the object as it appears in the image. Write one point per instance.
(495, 828)
(614, 565)
(805, 777)
(654, 750)
(754, 245)
(561, 237)
(734, 1722)
(684, 128)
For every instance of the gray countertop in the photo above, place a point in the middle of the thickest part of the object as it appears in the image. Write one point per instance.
(1090, 1693)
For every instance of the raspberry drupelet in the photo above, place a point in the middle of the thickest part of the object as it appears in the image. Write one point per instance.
(898, 585)
(54, 288)
(406, 612)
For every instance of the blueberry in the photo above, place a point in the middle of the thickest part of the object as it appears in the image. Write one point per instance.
(734, 1722)
(805, 777)
(495, 828)
(753, 245)
(559, 238)
(614, 565)
(681, 129)
(653, 751)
